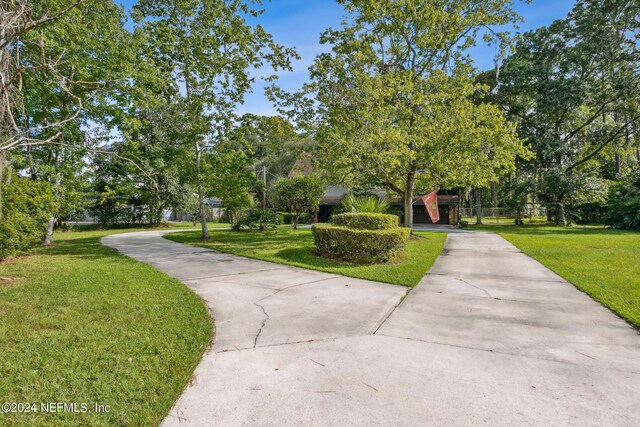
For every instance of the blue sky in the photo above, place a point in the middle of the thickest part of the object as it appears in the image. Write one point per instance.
(298, 23)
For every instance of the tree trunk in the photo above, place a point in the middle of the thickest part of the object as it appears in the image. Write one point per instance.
(618, 165)
(408, 198)
(203, 213)
(294, 222)
(4, 178)
(494, 196)
(198, 151)
(460, 205)
(201, 202)
(478, 206)
(264, 189)
(47, 239)
(561, 214)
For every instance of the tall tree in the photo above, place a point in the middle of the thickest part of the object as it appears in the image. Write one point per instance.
(69, 57)
(394, 98)
(573, 89)
(274, 143)
(95, 60)
(154, 179)
(231, 177)
(210, 49)
(19, 20)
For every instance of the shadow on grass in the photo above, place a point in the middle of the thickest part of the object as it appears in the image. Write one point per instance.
(535, 229)
(304, 257)
(297, 247)
(85, 248)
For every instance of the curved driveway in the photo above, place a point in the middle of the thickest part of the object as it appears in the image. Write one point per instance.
(489, 336)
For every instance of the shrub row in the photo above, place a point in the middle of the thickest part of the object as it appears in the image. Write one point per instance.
(366, 221)
(359, 245)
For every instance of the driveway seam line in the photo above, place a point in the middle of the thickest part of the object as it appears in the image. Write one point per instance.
(393, 309)
(489, 276)
(229, 274)
(504, 353)
(406, 295)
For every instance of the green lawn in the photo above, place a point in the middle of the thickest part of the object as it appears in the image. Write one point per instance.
(85, 324)
(604, 263)
(164, 225)
(186, 224)
(295, 247)
(496, 220)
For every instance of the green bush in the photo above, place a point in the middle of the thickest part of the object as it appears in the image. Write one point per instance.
(298, 194)
(287, 219)
(589, 213)
(25, 209)
(366, 221)
(261, 219)
(359, 245)
(624, 204)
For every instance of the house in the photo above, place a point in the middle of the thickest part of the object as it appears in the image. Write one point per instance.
(447, 199)
(213, 206)
(447, 205)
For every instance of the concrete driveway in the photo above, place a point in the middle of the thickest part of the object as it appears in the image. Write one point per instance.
(488, 337)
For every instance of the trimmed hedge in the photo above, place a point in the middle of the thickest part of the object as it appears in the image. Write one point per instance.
(365, 221)
(359, 245)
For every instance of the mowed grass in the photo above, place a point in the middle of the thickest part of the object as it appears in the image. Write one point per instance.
(604, 263)
(135, 227)
(84, 324)
(295, 247)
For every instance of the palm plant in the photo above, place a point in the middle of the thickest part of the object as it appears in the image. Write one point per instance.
(364, 203)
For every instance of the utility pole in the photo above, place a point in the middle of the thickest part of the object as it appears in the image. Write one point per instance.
(264, 189)
(478, 205)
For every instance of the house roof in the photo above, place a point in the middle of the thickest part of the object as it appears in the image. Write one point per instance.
(302, 166)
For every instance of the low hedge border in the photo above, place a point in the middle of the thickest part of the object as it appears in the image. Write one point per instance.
(359, 245)
(365, 220)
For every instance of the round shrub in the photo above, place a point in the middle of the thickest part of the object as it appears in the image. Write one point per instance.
(359, 245)
(365, 220)
(26, 208)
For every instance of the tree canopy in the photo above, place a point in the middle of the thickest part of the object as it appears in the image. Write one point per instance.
(128, 113)
(393, 102)
(209, 48)
(573, 88)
